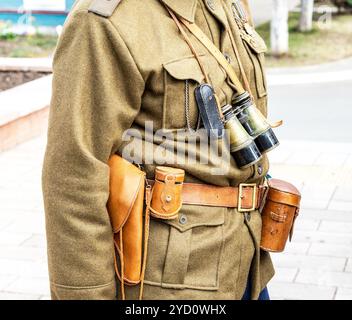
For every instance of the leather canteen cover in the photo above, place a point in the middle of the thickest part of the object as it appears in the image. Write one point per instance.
(167, 192)
(125, 207)
(279, 214)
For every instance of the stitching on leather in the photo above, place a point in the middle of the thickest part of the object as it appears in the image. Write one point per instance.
(82, 288)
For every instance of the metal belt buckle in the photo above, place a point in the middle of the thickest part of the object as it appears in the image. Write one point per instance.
(241, 196)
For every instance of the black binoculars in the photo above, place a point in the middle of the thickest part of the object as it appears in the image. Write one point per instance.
(250, 134)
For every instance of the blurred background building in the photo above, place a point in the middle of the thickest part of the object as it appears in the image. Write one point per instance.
(25, 14)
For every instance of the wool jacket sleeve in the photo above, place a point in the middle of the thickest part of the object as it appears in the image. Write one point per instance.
(97, 91)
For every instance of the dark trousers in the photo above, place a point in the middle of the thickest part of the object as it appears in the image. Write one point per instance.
(264, 295)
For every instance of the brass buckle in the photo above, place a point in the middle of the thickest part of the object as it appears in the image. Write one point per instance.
(240, 196)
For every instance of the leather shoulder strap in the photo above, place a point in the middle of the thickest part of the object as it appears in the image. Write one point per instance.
(200, 35)
(104, 8)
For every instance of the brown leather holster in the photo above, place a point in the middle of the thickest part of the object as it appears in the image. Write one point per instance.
(279, 213)
(125, 207)
(131, 200)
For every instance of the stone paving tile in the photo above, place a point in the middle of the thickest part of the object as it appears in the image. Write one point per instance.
(6, 281)
(332, 226)
(285, 274)
(32, 285)
(32, 224)
(319, 196)
(22, 253)
(343, 294)
(23, 268)
(4, 222)
(330, 250)
(322, 277)
(36, 240)
(331, 159)
(298, 291)
(341, 205)
(11, 238)
(279, 156)
(307, 224)
(348, 162)
(343, 193)
(303, 157)
(315, 204)
(17, 296)
(296, 247)
(338, 216)
(310, 262)
(322, 237)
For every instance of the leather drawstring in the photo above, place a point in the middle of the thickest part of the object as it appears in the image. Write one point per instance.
(120, 275)
(148, 192)
(194, 51)
(187, 39)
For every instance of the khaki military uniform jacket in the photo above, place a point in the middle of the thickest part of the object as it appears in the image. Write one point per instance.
(121, 68)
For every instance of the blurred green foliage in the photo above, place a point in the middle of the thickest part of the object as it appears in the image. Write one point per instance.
(329, 40)
(31, 46)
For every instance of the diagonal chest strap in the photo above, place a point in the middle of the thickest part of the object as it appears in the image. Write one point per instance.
(214, 51)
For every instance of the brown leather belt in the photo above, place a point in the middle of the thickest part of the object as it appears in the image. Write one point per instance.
(246, 197)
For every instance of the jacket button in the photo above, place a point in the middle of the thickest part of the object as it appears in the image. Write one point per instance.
(182, 219)
(228, 58)
(260, 170)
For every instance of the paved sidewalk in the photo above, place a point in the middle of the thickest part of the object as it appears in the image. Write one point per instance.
(316, 265)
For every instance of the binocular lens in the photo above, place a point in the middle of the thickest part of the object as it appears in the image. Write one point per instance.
(267, 141)
(247, 156)
(255, 123)
(242, 147)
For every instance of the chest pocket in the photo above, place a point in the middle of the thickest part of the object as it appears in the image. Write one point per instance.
(181, 77)
(256, 49)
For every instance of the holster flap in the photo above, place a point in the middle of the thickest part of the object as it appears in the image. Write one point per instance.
(126, 183)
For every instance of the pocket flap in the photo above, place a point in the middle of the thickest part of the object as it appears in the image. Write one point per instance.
(192, 216)
(184, 69)
(255, 41)
(126, 180)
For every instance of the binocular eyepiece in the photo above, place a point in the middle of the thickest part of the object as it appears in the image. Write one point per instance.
(250, 134)
(255, 123)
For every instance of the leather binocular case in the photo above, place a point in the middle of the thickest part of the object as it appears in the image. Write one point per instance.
(279, 214)
(166, 198)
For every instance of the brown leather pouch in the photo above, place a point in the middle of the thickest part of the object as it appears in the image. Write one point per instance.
(278, 215)
(166, 198)
(125, 207)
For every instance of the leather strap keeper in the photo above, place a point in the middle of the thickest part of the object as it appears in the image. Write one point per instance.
(215, 196)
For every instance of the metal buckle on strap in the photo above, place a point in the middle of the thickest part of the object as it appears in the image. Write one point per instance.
(241, 196)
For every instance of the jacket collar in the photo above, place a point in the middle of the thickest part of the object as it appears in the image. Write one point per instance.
(184, 8)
